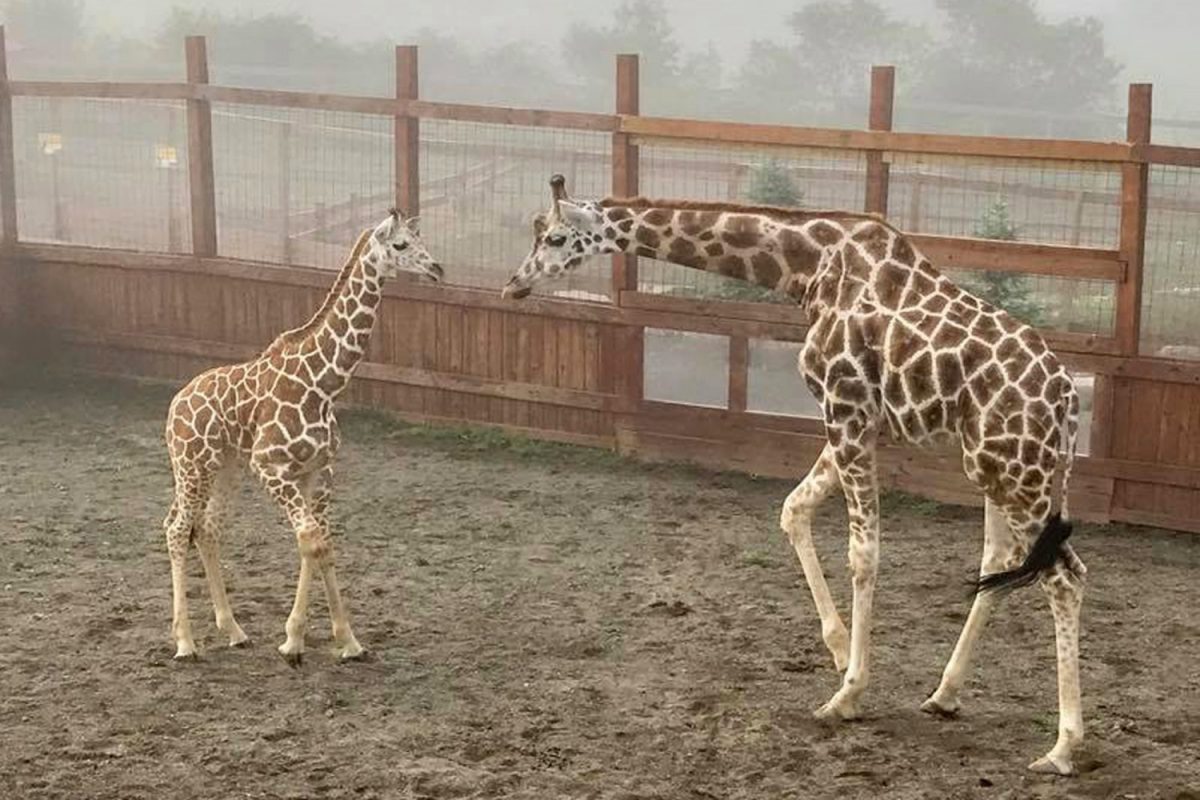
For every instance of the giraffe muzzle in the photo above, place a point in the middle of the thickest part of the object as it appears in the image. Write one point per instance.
(514, 291)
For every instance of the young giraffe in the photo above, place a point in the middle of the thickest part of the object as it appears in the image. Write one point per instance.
(276, 411)
(893, 347)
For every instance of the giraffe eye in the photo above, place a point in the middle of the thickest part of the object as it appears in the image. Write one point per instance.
(556, 241)
(400, 246)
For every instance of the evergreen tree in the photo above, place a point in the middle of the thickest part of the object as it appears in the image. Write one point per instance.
(1010, 291)
(771, 184)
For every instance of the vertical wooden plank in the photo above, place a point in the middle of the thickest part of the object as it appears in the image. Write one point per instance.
(591, 356)
(883, 90)
(202, 187)
(8, 169)
(629, 360)
(1145, 399)
(495, 361)
(739, 372)
(407, 135)
(1134, 191)
(1101, 441)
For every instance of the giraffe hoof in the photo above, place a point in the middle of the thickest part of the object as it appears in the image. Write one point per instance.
(939, 709)
(355, 652)
(242, 644)
(293, 659)
(187, 656)
(1053, 765)
(837, 711)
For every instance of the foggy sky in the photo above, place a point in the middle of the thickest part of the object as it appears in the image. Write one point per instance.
(1154, 39)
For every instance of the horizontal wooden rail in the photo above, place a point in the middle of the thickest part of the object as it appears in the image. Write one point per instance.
(1068, 344)
(652, 127)
(784, 313)
(1170, 155)
(840, 139)
(103, 90)
(956, 252)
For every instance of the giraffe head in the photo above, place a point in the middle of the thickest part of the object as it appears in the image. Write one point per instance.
(395, 246)
(562, 238)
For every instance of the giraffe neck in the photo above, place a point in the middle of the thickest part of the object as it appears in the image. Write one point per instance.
(773, 248)
(342, 332)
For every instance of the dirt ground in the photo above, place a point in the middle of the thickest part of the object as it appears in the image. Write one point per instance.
(544, 622)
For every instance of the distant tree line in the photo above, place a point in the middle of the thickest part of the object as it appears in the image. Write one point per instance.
(1001, 53)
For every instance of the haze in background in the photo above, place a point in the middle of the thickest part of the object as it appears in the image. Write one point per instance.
(1148, 40)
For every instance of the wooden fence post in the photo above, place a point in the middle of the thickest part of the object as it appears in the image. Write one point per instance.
(883, 93)
(407, 134)
(202, 187)
(285, 191)
(1134, 190)
(625, 166)
(630, 379)
(8, 169)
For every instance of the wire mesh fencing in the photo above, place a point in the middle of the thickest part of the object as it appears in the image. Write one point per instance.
(811, 179)
(481, 185)
(102, 173)
(1171, 276)
(1053, 202)
(295, 186)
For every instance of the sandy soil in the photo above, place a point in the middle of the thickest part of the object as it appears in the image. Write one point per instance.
(545, 622)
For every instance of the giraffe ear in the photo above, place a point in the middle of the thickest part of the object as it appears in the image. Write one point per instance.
(414, 225)
(577, 216)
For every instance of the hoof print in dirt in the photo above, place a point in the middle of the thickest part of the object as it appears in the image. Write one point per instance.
(675, 608)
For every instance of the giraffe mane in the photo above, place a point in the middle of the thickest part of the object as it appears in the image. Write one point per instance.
(794, 216)
(307, 329)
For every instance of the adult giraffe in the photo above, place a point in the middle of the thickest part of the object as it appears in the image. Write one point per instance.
(276, 412)
(892, 346)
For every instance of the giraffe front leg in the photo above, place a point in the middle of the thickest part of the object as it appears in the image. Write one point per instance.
(343, 636)
(287, 490)
(796, 521)
(856, 465)
(999, 550)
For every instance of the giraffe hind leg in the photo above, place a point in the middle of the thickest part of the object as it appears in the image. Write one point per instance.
(1063, 586)
(208, 544)
(179, 525)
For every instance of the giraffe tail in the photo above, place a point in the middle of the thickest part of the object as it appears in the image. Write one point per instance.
(1048, 548)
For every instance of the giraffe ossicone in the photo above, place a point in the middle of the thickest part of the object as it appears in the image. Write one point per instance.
(275, 413)
(893, 348)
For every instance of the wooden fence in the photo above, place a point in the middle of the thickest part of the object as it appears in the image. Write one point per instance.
(576, 371)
